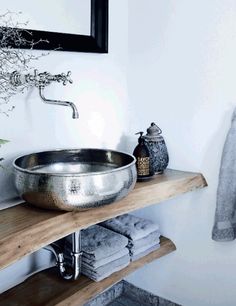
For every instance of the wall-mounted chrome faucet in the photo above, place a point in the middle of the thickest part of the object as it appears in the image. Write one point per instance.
(41, 80)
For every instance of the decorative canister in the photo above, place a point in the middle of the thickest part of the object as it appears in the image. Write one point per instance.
(157, 148)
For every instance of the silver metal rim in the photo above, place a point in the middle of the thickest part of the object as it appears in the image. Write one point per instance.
(74, 174)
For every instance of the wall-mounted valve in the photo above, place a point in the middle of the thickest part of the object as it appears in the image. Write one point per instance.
(41, 80)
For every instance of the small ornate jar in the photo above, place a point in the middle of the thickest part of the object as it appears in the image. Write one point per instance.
(157, 149)
(143, 159)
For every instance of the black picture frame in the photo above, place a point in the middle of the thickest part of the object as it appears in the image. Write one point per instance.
(96, 42)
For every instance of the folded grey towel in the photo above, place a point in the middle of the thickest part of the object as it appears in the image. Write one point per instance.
(131, 226)
(144, 253)
(135, 251)
(106, 268)
(98, 278)
(100, 242)
(98, 263)
(147, 241)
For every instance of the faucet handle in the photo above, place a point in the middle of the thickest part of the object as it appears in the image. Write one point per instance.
(64, 78)
(68, 78)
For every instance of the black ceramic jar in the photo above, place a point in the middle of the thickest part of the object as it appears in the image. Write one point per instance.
(157, 149)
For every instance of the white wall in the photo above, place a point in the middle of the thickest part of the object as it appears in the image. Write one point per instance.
(180, 75)
(182, 72)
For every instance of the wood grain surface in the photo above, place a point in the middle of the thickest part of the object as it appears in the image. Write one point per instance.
(48, 289)
(25, 229)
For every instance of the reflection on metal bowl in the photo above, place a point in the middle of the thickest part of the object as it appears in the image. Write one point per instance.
(74, 179)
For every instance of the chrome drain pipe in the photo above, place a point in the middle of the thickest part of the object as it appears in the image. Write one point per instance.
(68, 271)
(76, 254)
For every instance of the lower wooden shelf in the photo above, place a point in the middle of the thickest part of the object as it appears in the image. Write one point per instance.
(48, 289)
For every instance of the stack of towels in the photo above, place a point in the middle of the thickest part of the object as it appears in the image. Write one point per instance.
(103, 252)
(108, 247)
(143, 235)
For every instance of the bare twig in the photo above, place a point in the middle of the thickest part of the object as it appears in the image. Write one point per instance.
(14, 58)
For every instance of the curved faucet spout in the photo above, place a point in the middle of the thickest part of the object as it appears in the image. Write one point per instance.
(75, 114)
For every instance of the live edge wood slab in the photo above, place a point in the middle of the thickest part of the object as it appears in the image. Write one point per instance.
(48, 289)
(25, 229)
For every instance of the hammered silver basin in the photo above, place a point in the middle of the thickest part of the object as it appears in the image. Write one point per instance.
(74, 179)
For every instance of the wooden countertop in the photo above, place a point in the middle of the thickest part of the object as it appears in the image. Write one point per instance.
(25, 229)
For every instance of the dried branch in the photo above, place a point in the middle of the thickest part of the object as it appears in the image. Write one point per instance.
(14, 58)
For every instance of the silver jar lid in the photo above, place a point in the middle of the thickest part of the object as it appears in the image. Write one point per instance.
(153, 133)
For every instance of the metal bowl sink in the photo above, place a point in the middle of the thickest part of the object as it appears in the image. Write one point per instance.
(74, 179)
